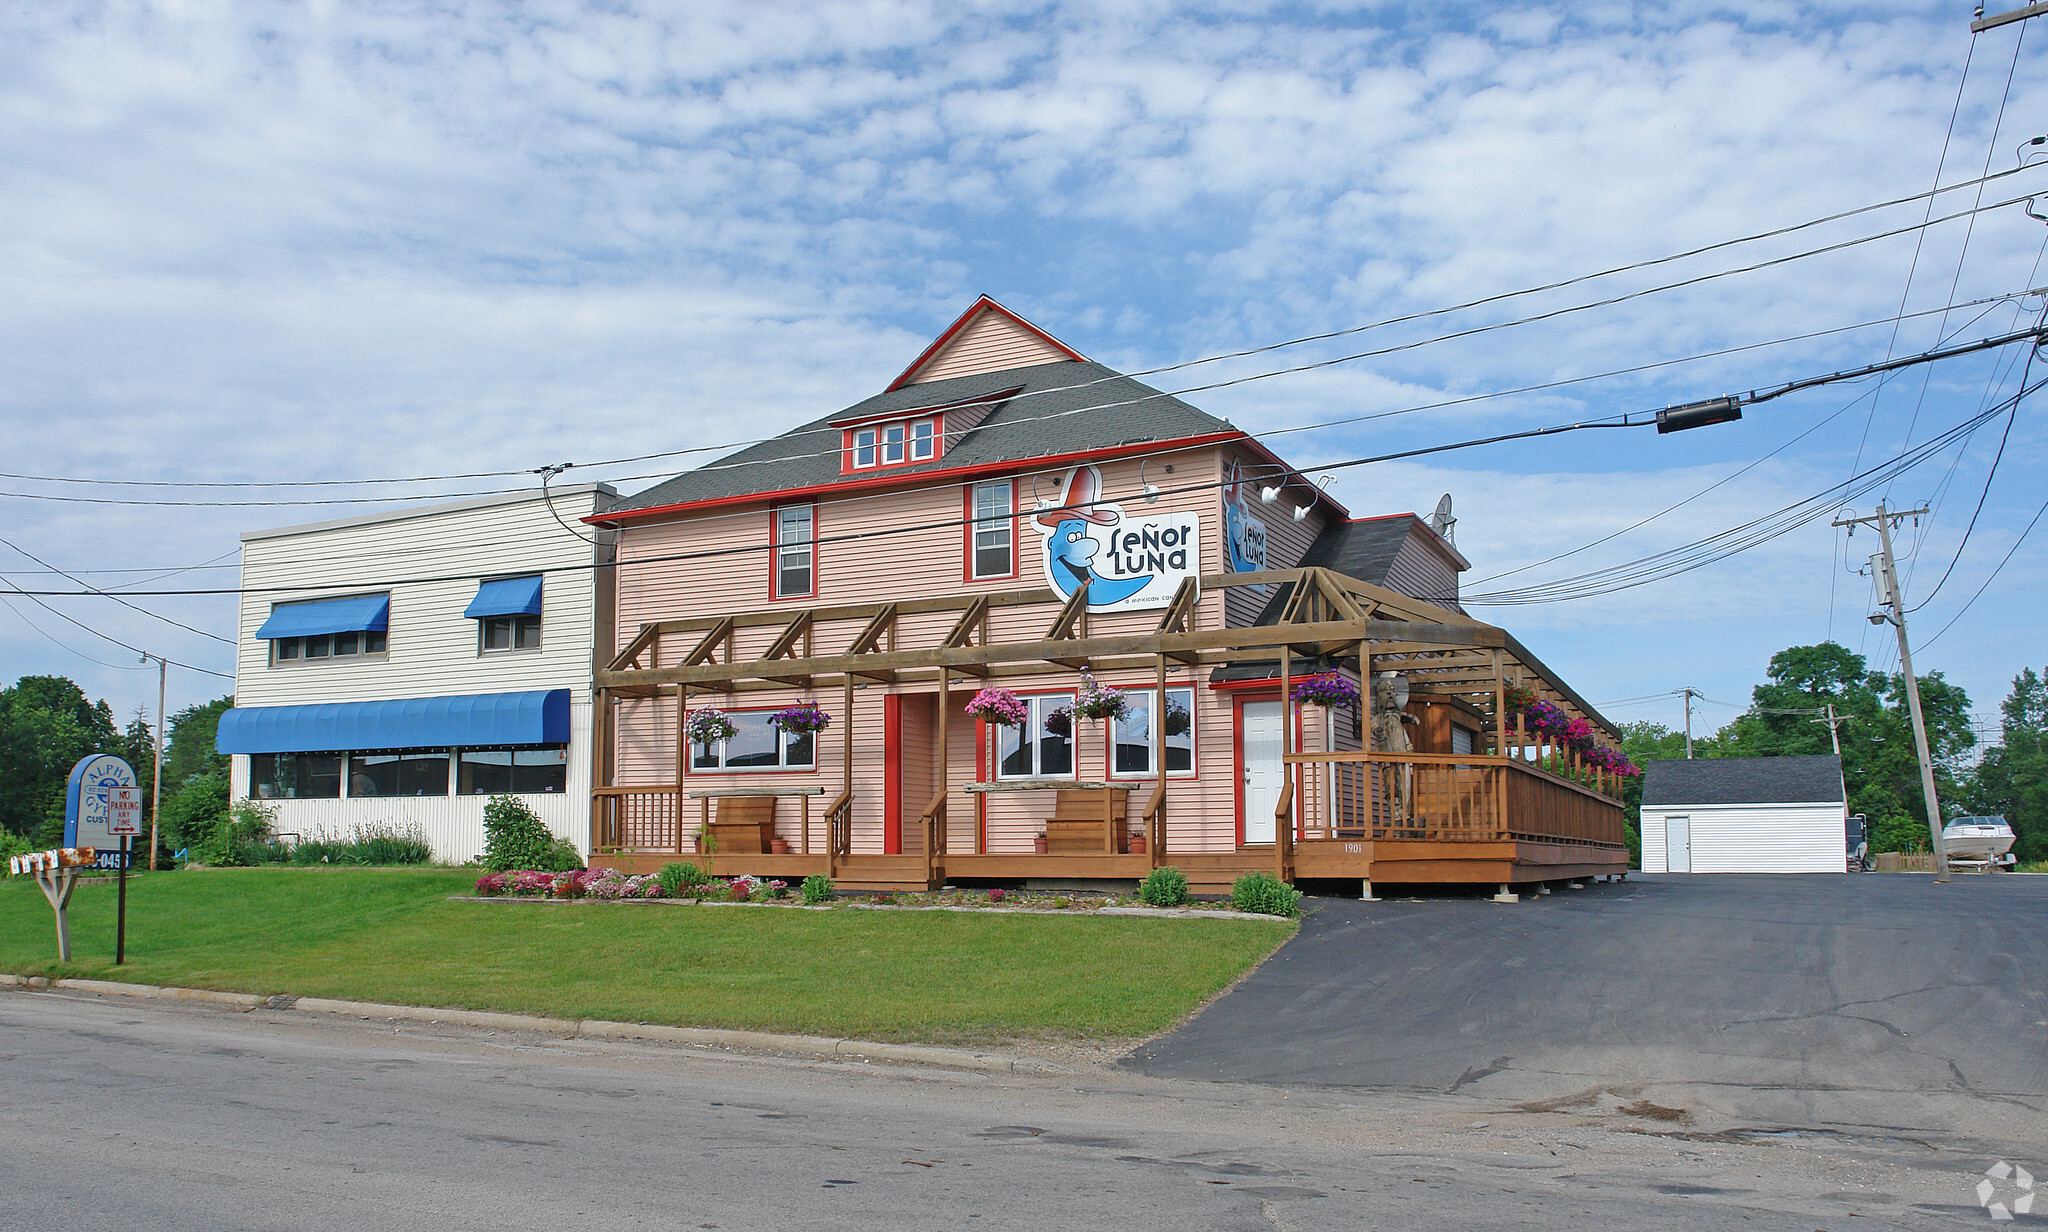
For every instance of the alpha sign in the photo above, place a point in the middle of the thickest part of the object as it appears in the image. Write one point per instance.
(88, 811)
(1128, 562)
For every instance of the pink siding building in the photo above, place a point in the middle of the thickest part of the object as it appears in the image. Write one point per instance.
(1002, 498)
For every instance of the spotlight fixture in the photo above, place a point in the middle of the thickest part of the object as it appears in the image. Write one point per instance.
(1269, 495)
(1151, 490)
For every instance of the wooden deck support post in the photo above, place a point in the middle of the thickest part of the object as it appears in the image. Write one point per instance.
(1155, 831)
(682, 757)
(931, 837)
(1283, 827)
(1500, 749)
(1368, 787)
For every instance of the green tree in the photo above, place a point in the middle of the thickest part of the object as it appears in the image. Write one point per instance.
(46, 724)
(1880, 763)
(2012, 778)
(190, 752)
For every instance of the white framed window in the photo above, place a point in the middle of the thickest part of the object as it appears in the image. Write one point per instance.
(992, 539)
(923, 435)
(892, 444)
(756, 745)
(369, 643)
(1036, 751)
(864, 447)
(795, 574)
(1130, 738)
(501, 634)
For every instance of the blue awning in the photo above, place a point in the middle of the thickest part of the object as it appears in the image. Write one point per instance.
(506, 597)
(539, 717)
(351, 615)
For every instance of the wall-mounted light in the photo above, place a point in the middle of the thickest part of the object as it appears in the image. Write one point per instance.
(1151, 490)
(1300, 512)
(1269, 495)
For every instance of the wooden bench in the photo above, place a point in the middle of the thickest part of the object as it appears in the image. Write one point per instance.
(1088, 821)
(744, 825)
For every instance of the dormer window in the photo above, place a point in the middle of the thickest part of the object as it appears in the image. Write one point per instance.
(898, 443)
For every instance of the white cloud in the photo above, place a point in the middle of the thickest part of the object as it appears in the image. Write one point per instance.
(325, 240)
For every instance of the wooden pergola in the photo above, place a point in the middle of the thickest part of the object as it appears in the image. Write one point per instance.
(1325, 616)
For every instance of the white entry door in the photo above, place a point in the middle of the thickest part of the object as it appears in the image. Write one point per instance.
(1678, 844)
(1263, 770)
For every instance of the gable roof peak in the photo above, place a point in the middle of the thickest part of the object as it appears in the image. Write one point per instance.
(986, 338)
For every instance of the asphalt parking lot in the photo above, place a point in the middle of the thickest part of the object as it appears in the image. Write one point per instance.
(1882, 1000)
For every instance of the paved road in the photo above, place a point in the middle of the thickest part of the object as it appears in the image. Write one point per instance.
(1804, 1001)
(121, 1114)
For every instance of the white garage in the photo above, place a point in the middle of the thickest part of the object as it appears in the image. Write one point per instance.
(1745, 815)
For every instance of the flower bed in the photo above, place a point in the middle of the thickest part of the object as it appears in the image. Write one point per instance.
(607, 884)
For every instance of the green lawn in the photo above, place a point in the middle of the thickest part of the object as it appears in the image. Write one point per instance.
(390, 935)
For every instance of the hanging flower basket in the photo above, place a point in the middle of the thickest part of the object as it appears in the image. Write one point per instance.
(709, 727)
(1060, 722)
(1098, 703)
(1578, 735)
(1178, 721)
(1543, 719)
(999, 706)
(1518, 698)
(1329, 690)
(801, 720)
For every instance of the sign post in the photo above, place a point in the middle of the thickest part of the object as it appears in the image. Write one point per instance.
(124, 819)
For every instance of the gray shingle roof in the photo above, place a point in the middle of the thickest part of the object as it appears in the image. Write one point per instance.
(1088, 407)
(1364, 549)
(1743, 780)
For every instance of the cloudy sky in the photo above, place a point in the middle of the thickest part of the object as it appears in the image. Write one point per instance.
(245, 243)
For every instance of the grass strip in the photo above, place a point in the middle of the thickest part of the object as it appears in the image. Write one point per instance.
(391, 935)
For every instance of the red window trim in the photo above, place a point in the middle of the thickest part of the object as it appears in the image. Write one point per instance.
(848, 465)
(775, 594)
(967, 573)
(1073, 738)
(690, 763)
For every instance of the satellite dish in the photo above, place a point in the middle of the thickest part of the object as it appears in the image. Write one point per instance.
(1442, 522)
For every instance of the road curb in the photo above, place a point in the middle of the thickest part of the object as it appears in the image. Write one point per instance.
(588, 1028)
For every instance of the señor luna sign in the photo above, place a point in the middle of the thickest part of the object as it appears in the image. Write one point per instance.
(1128, 562)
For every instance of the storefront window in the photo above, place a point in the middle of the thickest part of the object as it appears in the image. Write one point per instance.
(1045, 754)
(295, 776)
(756, 745)
(1131, 736)
(398, 774)
(492, 772)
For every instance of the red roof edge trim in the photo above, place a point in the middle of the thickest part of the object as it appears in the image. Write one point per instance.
(915, 478)
(983, 304)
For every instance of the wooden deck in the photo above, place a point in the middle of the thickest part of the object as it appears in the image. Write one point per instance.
(1390, 819)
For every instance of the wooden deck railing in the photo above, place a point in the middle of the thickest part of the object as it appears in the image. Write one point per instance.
(1444, 797)
(645, 818)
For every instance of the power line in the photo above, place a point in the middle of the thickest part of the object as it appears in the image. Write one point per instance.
(1283, 474)
(33, 596)
(116, 598)
(1473, 331)
(1987, 581)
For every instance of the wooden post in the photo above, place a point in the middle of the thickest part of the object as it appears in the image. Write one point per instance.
(945, 707)
(682, 759)
(1155, 832)
(1283, 833)
(846, 770)
(600, 736)
(1500, 745)
(1369, 788)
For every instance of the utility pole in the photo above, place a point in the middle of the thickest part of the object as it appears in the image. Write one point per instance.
(156, 795)
(1690, 693)
(1834, 727)
(1895, 615)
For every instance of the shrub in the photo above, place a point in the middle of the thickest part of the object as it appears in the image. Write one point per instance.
(815, 889)
(676, 878)
(1165, 887)
(194, 811)
(1265, 894)
(515, 838)
(242, 838)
